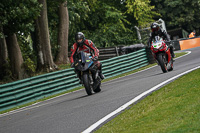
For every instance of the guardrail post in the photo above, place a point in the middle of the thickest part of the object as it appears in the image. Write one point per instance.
(117, 51)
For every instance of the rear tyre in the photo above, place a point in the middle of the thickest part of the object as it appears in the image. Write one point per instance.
(161, 60)
(86, 83)
(98, 89)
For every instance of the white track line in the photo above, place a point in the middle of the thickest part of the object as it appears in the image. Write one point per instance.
(95, 125)
(36, 106)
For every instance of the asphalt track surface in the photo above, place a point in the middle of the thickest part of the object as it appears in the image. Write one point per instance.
(75, 112)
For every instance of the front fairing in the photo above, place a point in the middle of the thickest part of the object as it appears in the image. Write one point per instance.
(158, 46)
(83, 61)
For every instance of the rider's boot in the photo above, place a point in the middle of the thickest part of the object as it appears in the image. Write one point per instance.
(100, 72)
(101, 75)
(173, 55)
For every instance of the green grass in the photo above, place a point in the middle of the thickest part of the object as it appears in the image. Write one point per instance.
(105, 80)
(174, 108)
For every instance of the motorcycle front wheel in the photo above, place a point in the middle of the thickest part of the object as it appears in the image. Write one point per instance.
(171, 67)
(161, 60)
(86, 83)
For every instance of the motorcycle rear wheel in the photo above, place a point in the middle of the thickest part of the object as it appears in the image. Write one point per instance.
(98, 89)
(86, 83)
(162, 62)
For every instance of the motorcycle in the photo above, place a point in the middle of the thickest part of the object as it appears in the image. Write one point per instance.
(162, 54)
(88, 72)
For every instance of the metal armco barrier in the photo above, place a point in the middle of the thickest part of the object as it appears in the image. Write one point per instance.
(124, 63)
(31, 89)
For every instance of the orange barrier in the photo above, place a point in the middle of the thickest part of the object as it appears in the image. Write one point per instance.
(190, 43)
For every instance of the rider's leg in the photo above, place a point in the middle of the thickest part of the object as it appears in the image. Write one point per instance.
(100, 71)
(172, 50)
(99, 65)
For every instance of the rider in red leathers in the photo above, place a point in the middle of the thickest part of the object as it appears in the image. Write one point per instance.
(87, 46)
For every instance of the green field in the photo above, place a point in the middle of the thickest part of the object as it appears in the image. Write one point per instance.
(174, 108)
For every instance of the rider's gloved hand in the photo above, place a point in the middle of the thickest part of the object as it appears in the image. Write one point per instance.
(95, 58)
(72, 65)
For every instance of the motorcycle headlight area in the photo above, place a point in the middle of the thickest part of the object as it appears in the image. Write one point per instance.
(157, 46)
(155, 49)
(161, 47)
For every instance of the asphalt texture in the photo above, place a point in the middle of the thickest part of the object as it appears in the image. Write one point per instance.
(75, 112)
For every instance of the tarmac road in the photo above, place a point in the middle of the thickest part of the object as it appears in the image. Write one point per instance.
(75, 112)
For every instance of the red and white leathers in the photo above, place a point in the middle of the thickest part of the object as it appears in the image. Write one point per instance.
(88, 47)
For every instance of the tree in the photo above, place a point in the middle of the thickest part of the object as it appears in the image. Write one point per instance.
(15, 56)
(62, 57)
(16, 17)
(142, 10)
(44, 40)
(78, 13)
(179, 13)
(104, 22)
(3, 57)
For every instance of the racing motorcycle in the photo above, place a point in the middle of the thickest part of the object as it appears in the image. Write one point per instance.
(88, 72)
(162, 54)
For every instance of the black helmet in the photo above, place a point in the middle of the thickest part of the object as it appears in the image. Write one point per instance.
(155, 27)
(79, 36)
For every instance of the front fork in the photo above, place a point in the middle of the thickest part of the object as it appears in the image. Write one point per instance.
(169, 55)
(166, 57)
(90, 78)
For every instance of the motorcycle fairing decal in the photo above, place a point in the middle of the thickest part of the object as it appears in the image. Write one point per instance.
(72, 47)
(90, 64)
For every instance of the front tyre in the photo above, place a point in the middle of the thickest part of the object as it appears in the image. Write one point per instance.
(172, 66)
(161, 60)
(86, 83)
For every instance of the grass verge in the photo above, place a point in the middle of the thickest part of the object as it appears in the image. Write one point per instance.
(174, 108)
(64, 67)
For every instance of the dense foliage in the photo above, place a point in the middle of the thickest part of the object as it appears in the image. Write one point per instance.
(18, 16)
(179, 13)
(106, 23)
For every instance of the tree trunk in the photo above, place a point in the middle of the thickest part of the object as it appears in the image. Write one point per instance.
(37, 48)
(3, 57)
(62, 57)
(15, 56)
(44, 40)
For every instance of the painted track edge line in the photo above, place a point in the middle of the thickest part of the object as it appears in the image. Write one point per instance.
(34, 105)
(95, 125)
